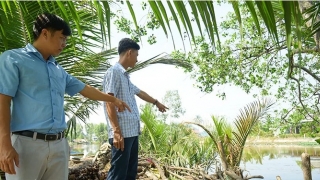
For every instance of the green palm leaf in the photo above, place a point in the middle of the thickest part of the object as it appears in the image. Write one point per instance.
(248, 118)
(148, 118)
(176, 20)
(229, 142)
(313, 14)
(78, 109)
(161, 59)
(253, 15)
(69, 10)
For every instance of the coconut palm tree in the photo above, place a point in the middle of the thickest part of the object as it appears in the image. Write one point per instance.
(230, 141)
(79, 58)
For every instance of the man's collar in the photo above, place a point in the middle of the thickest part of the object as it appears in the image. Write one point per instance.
(118, 65)
(30, 48)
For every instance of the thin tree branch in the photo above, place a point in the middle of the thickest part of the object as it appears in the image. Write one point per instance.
(176, 175)
(306, 51)
(283, 117)
(251, 177)
(300, 100)
(307, 71)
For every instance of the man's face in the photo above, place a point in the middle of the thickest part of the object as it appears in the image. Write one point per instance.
(133, 57)
(57, 42)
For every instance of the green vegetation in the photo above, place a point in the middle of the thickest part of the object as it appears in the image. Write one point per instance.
(174, 144)
(258, 62)
(264, 45)
(230, 141)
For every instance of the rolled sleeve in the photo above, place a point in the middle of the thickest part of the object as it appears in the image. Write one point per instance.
(73, 85)
(112, 82)
(9, 74)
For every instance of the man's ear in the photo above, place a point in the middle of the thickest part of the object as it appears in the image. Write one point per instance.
(129, 52)
(44, 32)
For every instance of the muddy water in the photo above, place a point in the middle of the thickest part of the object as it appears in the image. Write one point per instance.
(283, 161)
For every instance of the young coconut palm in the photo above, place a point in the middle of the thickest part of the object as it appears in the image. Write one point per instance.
(230, 141)
(173, 144)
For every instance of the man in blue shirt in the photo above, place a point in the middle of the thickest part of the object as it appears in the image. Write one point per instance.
(32, 143)
(124, 128)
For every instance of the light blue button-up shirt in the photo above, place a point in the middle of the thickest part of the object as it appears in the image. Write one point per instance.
(117, 81)
(37, 88)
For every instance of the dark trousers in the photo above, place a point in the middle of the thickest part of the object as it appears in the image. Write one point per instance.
(124, 164)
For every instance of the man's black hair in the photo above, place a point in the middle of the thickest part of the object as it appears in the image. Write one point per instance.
(126, 44)
(51, 22)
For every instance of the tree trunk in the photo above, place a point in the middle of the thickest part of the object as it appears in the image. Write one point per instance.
(306, 166)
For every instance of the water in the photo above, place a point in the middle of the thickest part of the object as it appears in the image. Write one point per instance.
(283, 161)
(268, 161)
(84, 150)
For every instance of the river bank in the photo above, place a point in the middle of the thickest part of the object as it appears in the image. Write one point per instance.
(277, 141)
(90, 149)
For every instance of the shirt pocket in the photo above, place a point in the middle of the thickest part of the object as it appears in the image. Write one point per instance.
(56, 71)
(58, 80)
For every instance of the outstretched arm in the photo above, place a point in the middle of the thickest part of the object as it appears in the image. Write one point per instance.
(94, 94)
(146, 97)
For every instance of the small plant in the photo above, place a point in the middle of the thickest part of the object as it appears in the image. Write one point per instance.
(230, 141)
(174, 144)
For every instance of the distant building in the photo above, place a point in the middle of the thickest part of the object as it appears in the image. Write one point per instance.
(80, 141)
(295, 129)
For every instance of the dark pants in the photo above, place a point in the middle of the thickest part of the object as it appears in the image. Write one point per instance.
(124, 164)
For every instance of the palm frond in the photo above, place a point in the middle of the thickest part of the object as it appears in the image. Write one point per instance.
(230, 142)
(160, 59)
(78, 108)
(203, 11)
(214, 139)
(148, 118)
(312, 14)
(248, 118)
(16, 34)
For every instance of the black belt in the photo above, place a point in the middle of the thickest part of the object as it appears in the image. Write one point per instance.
(46, 137)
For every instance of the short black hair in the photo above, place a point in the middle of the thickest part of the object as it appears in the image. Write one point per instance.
(51, 22)
(126, 44)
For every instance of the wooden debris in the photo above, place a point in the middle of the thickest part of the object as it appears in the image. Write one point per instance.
(97, 168)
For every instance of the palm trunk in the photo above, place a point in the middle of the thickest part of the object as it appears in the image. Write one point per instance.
(222, 155)
(306, 166)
